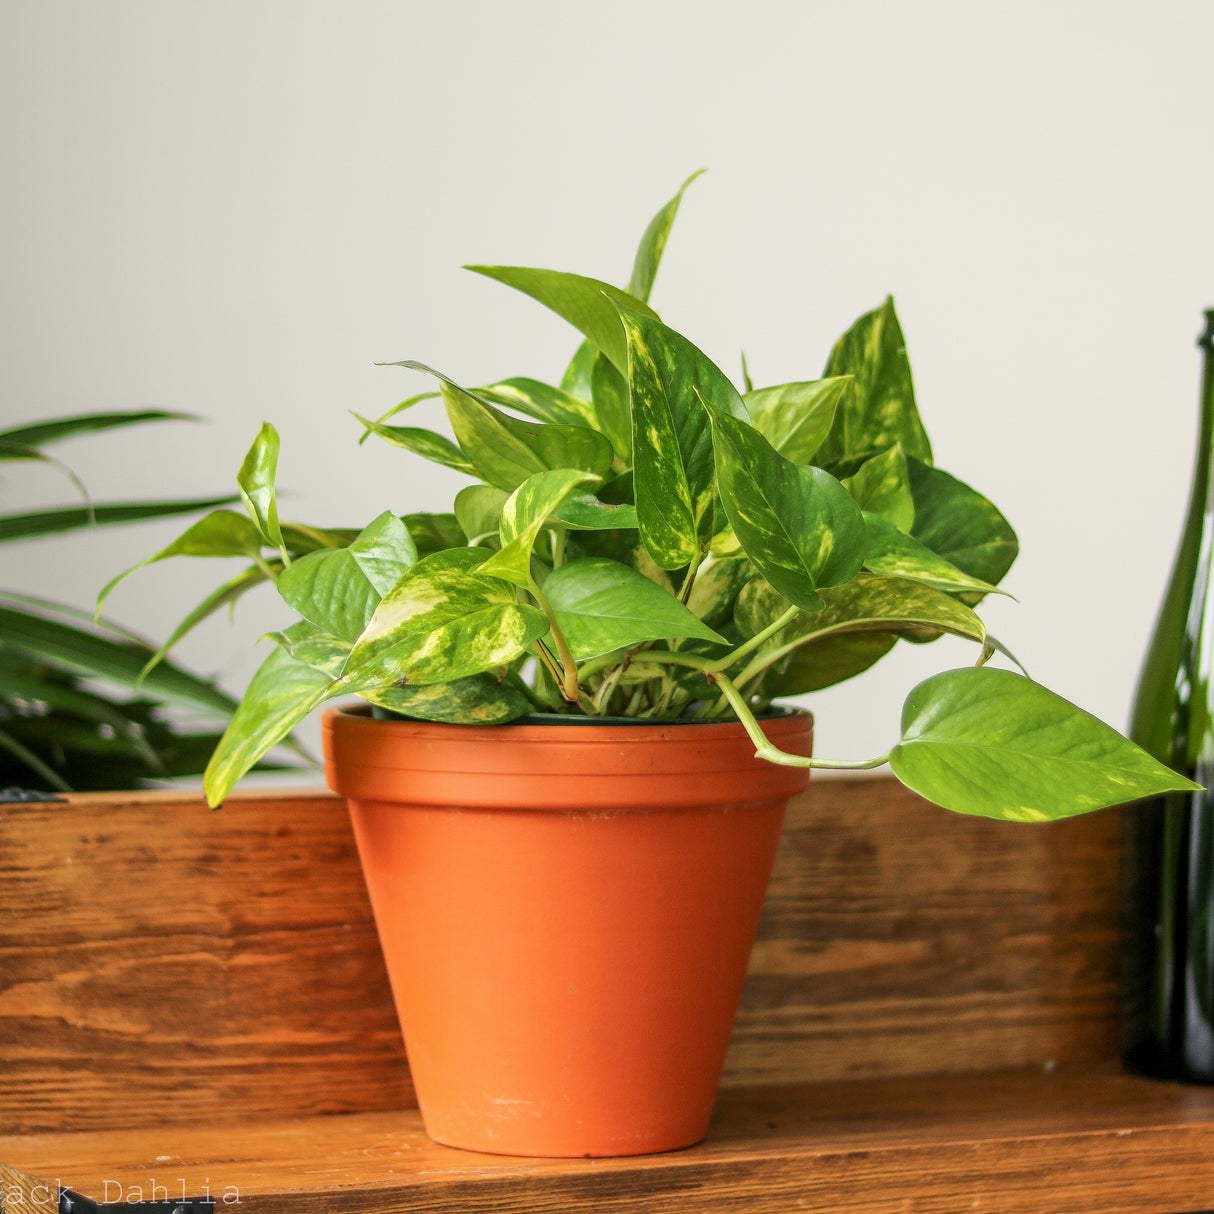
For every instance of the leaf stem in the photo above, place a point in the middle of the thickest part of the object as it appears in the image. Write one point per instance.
(773, 754)
(567, 681)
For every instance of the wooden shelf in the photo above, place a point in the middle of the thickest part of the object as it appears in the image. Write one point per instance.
(1015, 1142)
(928, 1025)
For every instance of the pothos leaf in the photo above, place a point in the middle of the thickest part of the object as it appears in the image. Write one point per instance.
(895, 554)
(881, 485)
(480, 699)
(672, 384)
(796, 418)
(256, 481)
(878, 409)
(992, 743)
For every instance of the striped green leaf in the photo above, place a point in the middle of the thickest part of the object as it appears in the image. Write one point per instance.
(878, 409)
(673, 387)
(339, 589)
(895, 554)
(524, 513)
(992, 743)
(797, 523)
(881, 485)
(796, 418)
(38, 434)
(602, 605)
(70, 518)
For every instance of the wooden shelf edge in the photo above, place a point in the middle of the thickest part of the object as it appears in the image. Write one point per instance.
(1021, 1142)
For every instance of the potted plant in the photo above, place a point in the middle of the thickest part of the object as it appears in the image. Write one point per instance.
(568, 824)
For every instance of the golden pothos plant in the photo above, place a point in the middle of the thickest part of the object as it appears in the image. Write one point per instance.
(647, 540)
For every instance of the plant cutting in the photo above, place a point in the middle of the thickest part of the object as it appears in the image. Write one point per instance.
(585, 770)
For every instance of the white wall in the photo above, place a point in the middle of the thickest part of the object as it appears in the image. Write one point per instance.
(236, 209)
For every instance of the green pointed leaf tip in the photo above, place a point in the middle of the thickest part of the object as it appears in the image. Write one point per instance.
(671, 385)
(653, 244)
(878, 409)
(602, 606)
(339, 589)
(256, 480)
(895, 554)
(437, 448)
(586, 303)
(524, 513)
(992, 743)
(798, 524)
(796, 418)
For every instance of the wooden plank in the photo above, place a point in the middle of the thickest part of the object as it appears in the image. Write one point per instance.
(1087, 1141)
(160, 963)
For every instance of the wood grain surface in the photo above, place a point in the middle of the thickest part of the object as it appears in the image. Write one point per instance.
(160, 963)
(1075, 1141)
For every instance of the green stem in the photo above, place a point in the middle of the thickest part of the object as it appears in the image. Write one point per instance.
(690, 580)
(521, 685)
(32, 761)
(568, 681)
(550, 663)
(755, 641)
(268, 569)
(773, 754)
(559, 535)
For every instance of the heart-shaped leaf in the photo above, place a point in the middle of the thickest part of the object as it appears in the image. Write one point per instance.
(796, 418)
(256, 481)
(961, 525)
(674, 474)
(441, 623)
(524, 513)
(881, 485)
(895, 554)
(602, 605)
(797, 523)
(586, 303)
(992, 743)
(339, 589)
(878, 409)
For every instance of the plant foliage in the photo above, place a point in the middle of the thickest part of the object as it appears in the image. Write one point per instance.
(644, 539)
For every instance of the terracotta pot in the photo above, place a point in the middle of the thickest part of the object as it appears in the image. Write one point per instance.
(566, 913)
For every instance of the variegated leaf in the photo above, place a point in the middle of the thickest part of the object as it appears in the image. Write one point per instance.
(439, 624)
(602, 606)
(437, 448)
(895, 554)
(586, 303)
(433, 532)
(541, 401)
(672, 384)
(611, 405)
(480, 699)
(878, 409)
(339, 589)
(992, 743)
(256, 481)
(307, 643)
(961, 525)
(716, 588)
(282, 692)
(524, 513)
(584, 512)
(881, 485)
(796, 418)
(860, 622)
(797, 524)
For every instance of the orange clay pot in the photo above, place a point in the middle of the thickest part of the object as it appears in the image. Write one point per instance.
(566, 913)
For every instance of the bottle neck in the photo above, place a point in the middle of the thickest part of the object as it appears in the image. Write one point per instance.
(1199, 500)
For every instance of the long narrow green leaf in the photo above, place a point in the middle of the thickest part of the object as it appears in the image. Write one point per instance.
(653, 244)
(541, 401)
(38, 434)
(437, 448)
(51, 522)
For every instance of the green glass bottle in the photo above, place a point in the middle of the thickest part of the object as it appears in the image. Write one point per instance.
(1168, 848)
